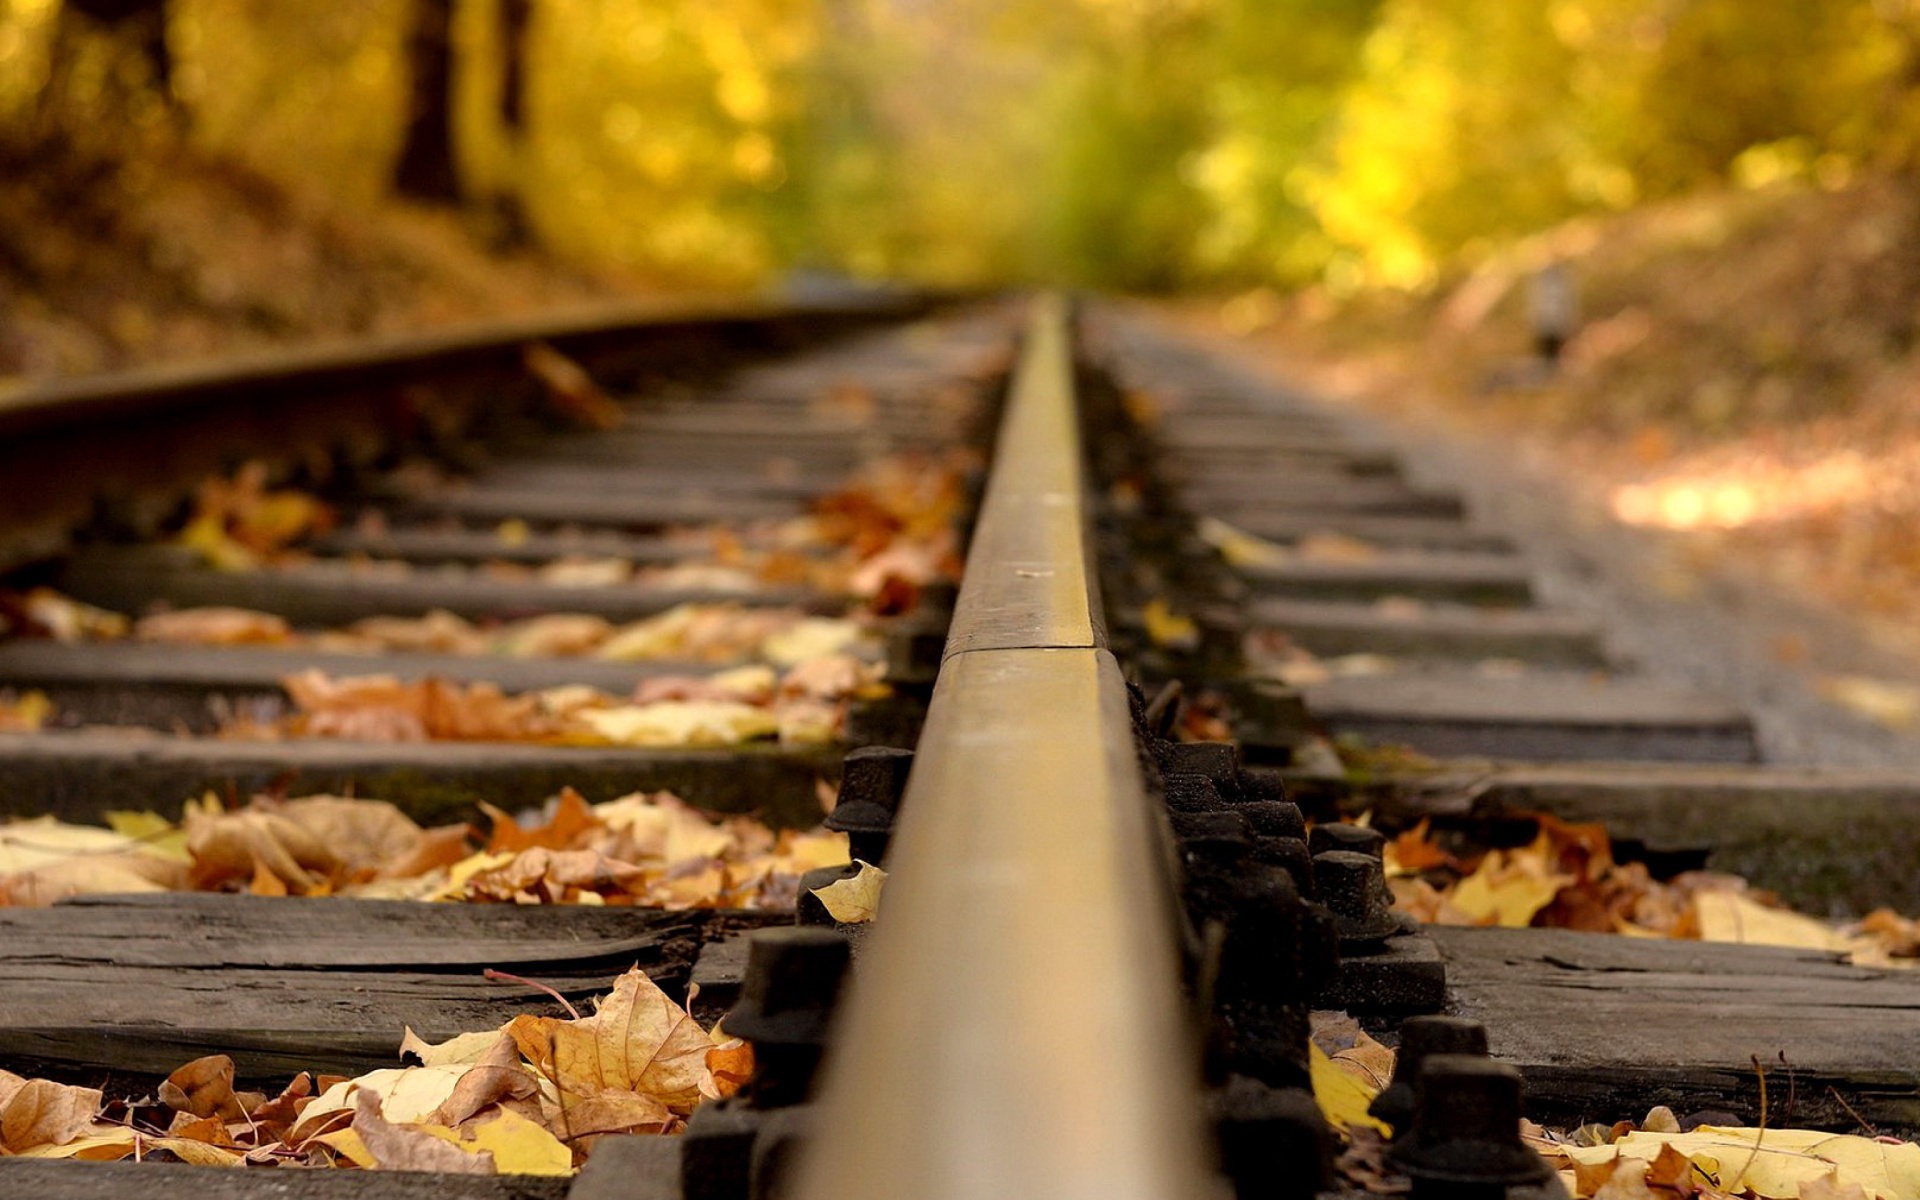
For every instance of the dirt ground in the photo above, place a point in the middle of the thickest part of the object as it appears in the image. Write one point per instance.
(149, 250)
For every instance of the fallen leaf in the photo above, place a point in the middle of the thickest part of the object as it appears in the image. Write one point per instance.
(1507, 889)
(495, 1076)
(204, 1088)
(461, 1050)
(1239, 548)
(683, 723)
(1342, 1097)
(571, 818)
(214, 627)
(111, 1143)
(856, 900)
(1168, 629)
(810, 638)
(397, 1147)
(24, 713)
(1882, 701)
(638, 1040)
(1785, 1159)
(1335, 548)
(39, 1112)
(1731, 917)
(1352, 1049)
(518, 1146)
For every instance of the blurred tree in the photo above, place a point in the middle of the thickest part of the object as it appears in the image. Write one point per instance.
(515, 21)
(136, 31)
(425, 170)
(516, 17)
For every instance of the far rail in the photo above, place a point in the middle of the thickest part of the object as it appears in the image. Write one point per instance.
(1015, 1029)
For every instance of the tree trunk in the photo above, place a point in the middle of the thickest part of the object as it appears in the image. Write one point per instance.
(511, 230)
(516, 16)
(426, 171)
(138, 25)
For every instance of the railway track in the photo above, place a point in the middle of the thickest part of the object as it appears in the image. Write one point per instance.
(1107, 925)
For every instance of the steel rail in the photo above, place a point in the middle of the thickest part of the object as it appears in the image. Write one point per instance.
(1015, 1026)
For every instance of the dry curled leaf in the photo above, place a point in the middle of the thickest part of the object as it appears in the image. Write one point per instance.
(856, 900)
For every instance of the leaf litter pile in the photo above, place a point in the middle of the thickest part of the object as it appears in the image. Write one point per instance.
(882, 537)
(1660, 1157)
(804, 705)
(642, 849)
(1567, 878)
(530, 1098)
(698, 633)
(807, 706)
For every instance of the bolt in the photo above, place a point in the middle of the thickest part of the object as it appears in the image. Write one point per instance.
(1266, 711)
(1163, 711)
(1354, 887)
(872, 780)
(1465, 1142)
(1357, 838)
(793, 975)
(1190, 793)
(776, 1152)
(1290, 855)
(1420, 1039)
(1217, 761)
(1263, 785)
(716, 1153)
(1274, 818)
(1213, 850)
(1274, 1142)
(1221, 824)
(807, 909)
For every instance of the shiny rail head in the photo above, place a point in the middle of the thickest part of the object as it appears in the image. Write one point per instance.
(1016, 1027)
(1028, 580)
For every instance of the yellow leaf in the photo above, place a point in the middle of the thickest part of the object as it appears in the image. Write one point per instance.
(1341, 1095)
(856, 900)
(1894, 705)
(1509, 887)
(462, 872)
(682, 723)
(519, 1146)
(114, 1142)
(25, 713)
(208, 537)
(1732, 917)
(406, 1093)
(156, 834)
(199, 1154)
(814, 637)
(25, 845)
(1240, 548)
(347, 1142)
(462, 1050)
(413, 1146)
(802, 852)
(1167, 628)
